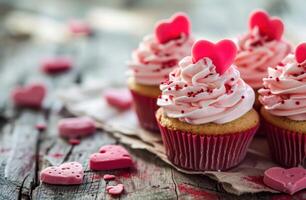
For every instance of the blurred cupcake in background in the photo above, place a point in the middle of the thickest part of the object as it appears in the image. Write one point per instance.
(283, 97)
(206, 114)
(156, 56)
(262, 47)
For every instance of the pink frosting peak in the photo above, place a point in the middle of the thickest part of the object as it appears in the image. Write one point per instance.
(153, 61)
(195, 93)
(284, 92)
(257, 53)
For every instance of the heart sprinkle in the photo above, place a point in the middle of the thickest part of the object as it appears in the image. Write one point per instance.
(271, 27)
(222, 53)
(173, 28)
(115, 190)
(300, 53)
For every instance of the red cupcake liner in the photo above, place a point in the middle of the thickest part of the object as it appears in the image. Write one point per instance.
(287, 148)
(206, 152)
(145, 108)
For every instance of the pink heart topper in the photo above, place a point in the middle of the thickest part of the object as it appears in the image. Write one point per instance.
(171, 29)
(272, 27)
(286, 180)
(222, 54)
(70, 173)
(300, 53)
(29, 96)
(110, 157)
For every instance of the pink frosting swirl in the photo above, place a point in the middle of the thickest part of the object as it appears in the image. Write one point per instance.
(284, 92)
(256, 54)
(152, 61)
(195, 93)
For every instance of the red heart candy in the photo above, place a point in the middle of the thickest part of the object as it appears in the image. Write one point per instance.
(29, 96)
(286, 180)
(222, 54)
(56, 65)
(115, 189)
(76, 127)
(119, 98)
(300, 53)
(272, 27)
(110, 157)
(166, 30)
(70, 173)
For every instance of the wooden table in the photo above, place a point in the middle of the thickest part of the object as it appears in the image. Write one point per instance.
(24, 151)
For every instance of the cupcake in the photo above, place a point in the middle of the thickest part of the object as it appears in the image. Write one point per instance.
(206, 114)
(260, 48)
(156, 56)
(283, 97)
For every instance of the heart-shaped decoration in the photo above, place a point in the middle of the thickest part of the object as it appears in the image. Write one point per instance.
(272, 27)
(29, 96)
(76, 127)
(286, 180)
(115, 189)
(70, 173)
(222, 54)
(110, 157)
(166, 30)
(56, 65)
(300, 53)
(118, 98)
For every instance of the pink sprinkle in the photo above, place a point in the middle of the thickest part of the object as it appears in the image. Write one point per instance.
(40, 126)
(107, 177)
(74, 141)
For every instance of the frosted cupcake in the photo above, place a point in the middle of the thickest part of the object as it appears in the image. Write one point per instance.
(262, 47)
(284, 108)
(206, 117)
(156, 56)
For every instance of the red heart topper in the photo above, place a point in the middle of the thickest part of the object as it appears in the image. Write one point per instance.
(300, 53)
(166, 30)
(222, 53)
(272, 27)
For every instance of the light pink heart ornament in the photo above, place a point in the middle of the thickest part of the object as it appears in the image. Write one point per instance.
(119, 98)
(29, 96)
(286, 180)
(272, 27)
(115, 189)
(70, 173)
(166, 30)
(76, 127)
(222, 53)
(110, 157)
(300, 53)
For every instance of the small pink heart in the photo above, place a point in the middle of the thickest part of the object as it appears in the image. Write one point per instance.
(107, 177)
(29, 96)
(272, 27)
(300, 53)
(222, 54)
(56, 65)
(286, 180)
(76, 127)
(70, 173)
(119, 98)
(110, 157)
(115, 189)
(166, 30)
(79, 27)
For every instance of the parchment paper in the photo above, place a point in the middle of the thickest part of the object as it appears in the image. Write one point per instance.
(88, 101)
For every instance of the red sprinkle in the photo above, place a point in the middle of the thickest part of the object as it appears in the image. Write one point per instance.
(242, 97)
(232, 79)
(41, 126)
(74, 141)
(283, 102)
(297, 103)
(277, 79)
(182, 111)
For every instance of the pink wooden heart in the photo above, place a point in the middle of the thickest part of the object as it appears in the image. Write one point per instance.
(300, 53)
(70, 173)
(110, 157)
(115, 189)
(222, 54)
(119, 98)
(272, 27)
(29, 96)
(166, 30)
(76, 127)
(286, 180)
